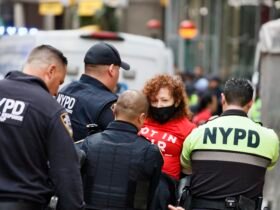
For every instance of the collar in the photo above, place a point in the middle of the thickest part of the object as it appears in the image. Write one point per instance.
(123, 126)
(234, 112)
(20, 76)
(92, 81)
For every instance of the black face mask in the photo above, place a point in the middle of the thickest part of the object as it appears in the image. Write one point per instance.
(162, 114)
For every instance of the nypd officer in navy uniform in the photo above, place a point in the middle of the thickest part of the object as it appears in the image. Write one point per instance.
(122, 169)
(37, 155)
(229, 155)
(89, 100)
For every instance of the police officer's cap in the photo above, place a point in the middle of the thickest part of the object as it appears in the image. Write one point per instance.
(104, 54)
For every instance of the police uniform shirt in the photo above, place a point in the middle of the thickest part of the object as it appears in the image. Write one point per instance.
(36, 148)
(229, 156)
(88, 101)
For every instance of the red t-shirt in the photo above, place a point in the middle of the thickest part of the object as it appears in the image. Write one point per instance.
(169, 137)
(202, 117)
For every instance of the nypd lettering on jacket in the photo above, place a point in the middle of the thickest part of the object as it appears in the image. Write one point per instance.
(12, 111)
(67, 102)
(239, 135)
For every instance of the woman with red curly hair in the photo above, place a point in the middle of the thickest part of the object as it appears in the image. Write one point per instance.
(167, 125)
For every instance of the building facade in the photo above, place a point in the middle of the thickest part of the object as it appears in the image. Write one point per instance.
(227, 33)
(227, 29)
(129, 16)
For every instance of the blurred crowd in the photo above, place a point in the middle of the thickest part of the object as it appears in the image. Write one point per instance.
(204, 94)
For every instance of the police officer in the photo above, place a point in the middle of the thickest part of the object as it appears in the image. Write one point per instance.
(37, 154)
(120, 164)
(89, 100)
(230, 154)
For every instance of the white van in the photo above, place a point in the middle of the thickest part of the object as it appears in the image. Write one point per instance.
(145, 55)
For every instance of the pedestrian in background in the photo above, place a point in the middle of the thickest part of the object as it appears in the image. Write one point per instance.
(119, 162)
(167, 126)
(37, 154)
(206, 107)
(229, 155)
(89, 100)
(215, 86)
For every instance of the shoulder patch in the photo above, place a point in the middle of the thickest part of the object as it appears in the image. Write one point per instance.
(65, 119)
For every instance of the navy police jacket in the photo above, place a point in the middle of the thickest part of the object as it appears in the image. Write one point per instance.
(119, 168)
(37, 155)
(88, 101)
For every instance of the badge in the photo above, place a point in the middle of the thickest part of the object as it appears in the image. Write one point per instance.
(65, 119)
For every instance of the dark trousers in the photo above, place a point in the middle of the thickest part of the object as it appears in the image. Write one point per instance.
(166, 193)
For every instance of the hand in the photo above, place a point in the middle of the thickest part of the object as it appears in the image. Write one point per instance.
(170, 207)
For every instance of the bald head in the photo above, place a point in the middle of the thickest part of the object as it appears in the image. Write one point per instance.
(131, 105)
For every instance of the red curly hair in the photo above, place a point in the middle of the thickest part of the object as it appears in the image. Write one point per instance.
(176, 88)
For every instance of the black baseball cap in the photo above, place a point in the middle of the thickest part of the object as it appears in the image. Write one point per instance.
(104, 54)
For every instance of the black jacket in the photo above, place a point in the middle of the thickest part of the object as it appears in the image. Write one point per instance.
(88, 101)
(119, 165)
(37, 156)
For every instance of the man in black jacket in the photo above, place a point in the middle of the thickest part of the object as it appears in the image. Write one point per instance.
(37, 155)
(89, 100)
(119, 162)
